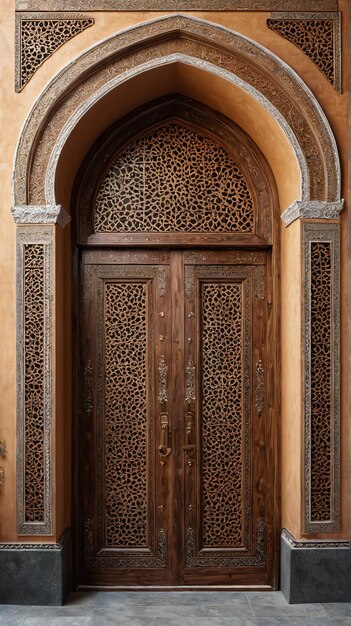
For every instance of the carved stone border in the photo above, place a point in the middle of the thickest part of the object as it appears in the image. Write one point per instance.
(314, 544)
(312, 210)
(63, 540)
(20, 83)
(218, 47)
(175, 5)
(165, 60)
(333, 16)
(330, 233)
(35, 235)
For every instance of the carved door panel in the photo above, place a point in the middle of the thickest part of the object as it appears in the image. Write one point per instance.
(227, 492)
(125, 481)
(175, 443)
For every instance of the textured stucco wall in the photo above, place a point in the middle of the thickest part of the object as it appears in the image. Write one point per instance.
(14, 109)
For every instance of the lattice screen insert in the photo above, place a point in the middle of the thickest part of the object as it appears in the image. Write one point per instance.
(125, 414)
(321, 376)
(222, 452)
(174, 180)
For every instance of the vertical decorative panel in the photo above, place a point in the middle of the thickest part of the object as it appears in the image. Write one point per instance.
(125, 436)
(225, 514)
(222, 427)
(34, 379)
(121, 524)
(321, 322)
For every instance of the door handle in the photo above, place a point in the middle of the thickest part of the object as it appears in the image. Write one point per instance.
(163, 448)
(189, 423)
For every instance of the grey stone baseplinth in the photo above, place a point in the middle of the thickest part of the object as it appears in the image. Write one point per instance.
(35, 573)
(315, 571)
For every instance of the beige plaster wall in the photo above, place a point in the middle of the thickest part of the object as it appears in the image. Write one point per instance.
(14, 109)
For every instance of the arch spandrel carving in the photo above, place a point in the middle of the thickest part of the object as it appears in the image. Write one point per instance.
(224, 50)
(230, 143)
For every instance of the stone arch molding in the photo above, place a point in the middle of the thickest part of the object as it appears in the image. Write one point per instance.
(190, 41)
(68, 98)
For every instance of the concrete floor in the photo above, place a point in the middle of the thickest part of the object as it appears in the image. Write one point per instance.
(177, 609)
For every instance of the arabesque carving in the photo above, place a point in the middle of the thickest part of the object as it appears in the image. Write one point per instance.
(176, 5)
(189, 189)
(260, 388)
(321, 362)
(35, 291)
(312, 210)
(41, 215)
(322, 377)
(190, 393)
(222, 404)
(39, 35)
(162, 380)
(194, 41)
(318, 35)
(174, 180)
(127, 559)
(125, 441)
(313, 544)
(194, 560)
(227, 296)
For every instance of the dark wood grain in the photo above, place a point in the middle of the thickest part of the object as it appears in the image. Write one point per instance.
(176, 316)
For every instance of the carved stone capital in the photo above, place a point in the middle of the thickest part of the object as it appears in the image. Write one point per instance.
(44, 214)
(317, 209)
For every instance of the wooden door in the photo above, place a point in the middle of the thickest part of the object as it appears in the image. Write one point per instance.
(175, 444)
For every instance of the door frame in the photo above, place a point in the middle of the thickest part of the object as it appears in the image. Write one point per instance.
(272, 363)
(194, 115)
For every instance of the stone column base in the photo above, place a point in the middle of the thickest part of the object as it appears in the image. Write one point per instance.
(35, 573)
(315, 571)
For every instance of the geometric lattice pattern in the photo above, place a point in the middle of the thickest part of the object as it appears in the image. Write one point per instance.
(222, 415)
(125, 436)
(174, 180)
(315, 37)
(321, 401)
(38, 39)
(34, 376)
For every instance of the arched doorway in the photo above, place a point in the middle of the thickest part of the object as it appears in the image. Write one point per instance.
(177, 429)
(255, 88)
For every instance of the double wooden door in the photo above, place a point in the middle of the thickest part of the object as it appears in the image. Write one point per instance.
(175, 479)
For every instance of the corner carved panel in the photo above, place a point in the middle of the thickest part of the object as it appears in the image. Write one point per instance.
(39, 35)
(318, 35)
(34, 379)
(322, 365)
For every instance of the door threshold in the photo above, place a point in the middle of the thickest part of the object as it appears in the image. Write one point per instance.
(175, 588)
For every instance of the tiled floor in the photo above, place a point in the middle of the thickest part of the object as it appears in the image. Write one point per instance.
(177, 609)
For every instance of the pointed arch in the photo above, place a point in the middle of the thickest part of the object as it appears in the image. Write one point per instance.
(175, 39)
